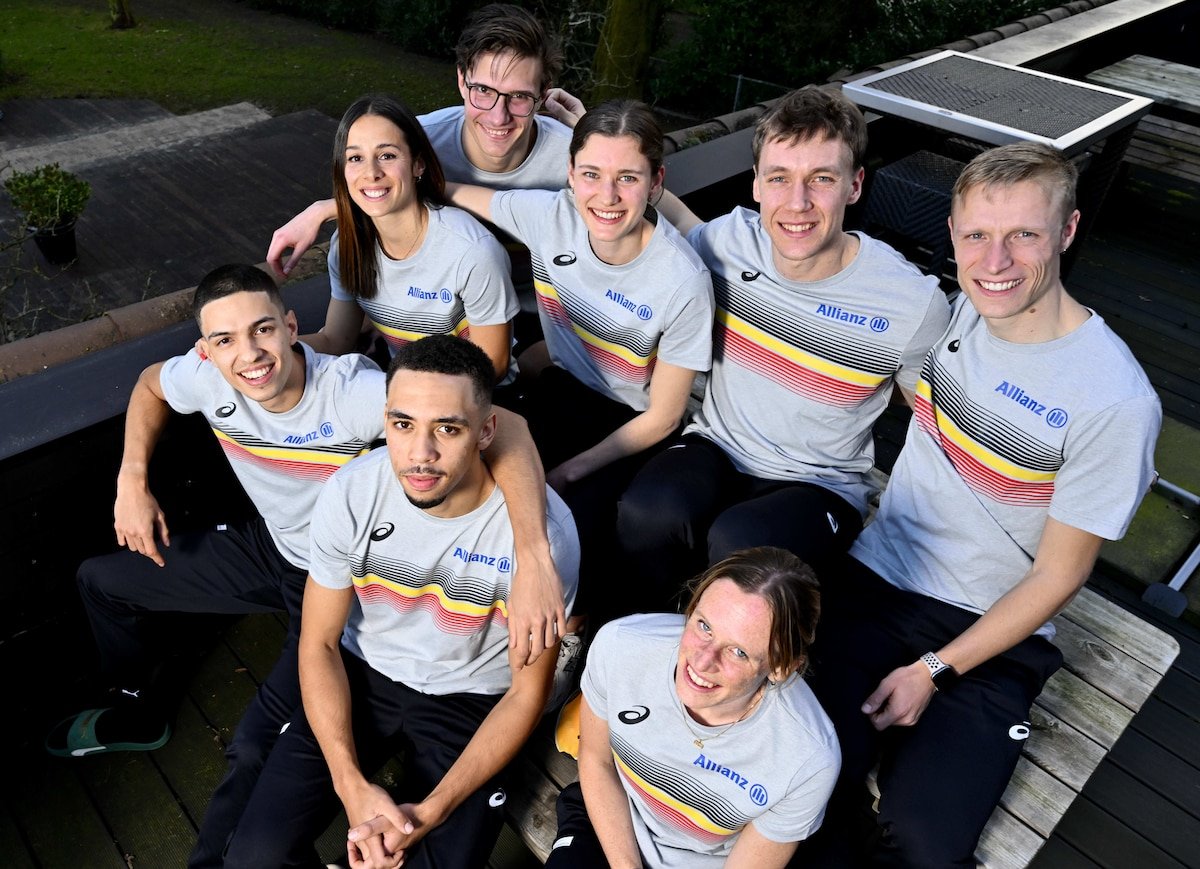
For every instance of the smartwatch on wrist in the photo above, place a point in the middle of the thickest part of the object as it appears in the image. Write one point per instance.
(943, 675)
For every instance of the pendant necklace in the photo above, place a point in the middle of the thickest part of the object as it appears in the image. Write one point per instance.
(699, 742)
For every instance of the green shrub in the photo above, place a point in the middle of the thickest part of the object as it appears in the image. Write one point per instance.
(48, 195)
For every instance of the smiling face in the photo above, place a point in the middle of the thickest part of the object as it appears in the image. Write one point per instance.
(495, 140)
(803, 188)
(435, 433)
(379, 168)
(723, 654)
(1008, 240)
(613, 182)
(249, 338)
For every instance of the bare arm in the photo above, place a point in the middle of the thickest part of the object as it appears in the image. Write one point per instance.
(607, 804)
(343, 323)
(326, 695)
(536, 615)
(472, 198)
(137, 517)
(1063, 562)
(753, 850)
(299, 233)
(672, 208)
(670, 387)
(496, 342)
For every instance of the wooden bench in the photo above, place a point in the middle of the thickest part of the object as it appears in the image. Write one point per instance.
(1174, 87)
(1112, 662)
(1168, 139)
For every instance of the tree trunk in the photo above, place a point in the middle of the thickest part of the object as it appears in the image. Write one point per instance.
(121, 12)
(619, 67)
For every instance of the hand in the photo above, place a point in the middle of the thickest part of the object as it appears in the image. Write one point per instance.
(139, 521)
(536, 614)
(299, 233)
(399, 829)
(379, 839)
(563, 107)
(901, 697)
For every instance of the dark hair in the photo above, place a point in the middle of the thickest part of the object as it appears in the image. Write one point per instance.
(1021, 161)
(234, 278)
(622, 118)
(358, 240)
(813, 112)
(447, 354)
(501, 28)
(789, 587)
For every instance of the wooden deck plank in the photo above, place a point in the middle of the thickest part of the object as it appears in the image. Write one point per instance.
(1104, 838)
(1175, 831)
(139, 808)
(1060, 749)
(14, 852)
(47, 797)
(1036, 799)
(1160, 768)
(1057, 854)
(1152, 647)
(193, 762)
(1077, 703)
(1166, 725)
(1006, 843)
(1171, 84)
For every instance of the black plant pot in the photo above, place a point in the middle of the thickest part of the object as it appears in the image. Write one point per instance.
(57, 243)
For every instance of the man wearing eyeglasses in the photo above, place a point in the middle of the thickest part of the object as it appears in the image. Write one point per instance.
(496, 138)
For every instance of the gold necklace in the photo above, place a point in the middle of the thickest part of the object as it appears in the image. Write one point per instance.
(421, 220)
(699, 743)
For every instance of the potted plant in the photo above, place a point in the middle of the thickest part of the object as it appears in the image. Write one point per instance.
(50, 199)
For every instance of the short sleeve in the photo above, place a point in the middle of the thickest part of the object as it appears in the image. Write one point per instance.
(594, 683)
(182, 380)
(800, 813)
(521, 213)
(687, 339)
(362, 398)
(336, 290)
(1108, 465)
(486, 280)
(933, 326)
(329, 534)
(564, 546)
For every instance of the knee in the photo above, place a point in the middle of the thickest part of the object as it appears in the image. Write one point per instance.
(254, 846)
(650, 514)
(731, 531)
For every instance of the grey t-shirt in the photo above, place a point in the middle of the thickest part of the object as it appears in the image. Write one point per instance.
(282, 459)
(607, 325)
(430, 607)
(1003, 436)
(545, 168)
(801, 370)
(457, 278)
(774, 770)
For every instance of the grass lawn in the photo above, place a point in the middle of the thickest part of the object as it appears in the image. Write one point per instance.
(189, 55)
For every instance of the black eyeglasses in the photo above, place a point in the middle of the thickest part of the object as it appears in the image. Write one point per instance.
(520, 104)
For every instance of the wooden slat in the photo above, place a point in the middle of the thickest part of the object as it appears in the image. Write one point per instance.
(193, 761)
(1036, 798)
(145, 819)
(531, 805)
(88, 842)
(1134, 636)
(1104, 838)
(13, 850)
(1061, 750)
(1172, 84)
(1125, 679)
(1006, 843)
(1081, 705)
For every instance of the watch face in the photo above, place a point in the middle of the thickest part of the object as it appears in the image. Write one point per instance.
(945, 678)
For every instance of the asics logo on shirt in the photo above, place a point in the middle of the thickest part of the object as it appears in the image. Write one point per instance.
(750, 276)
(636, 715)
(383, 532)
(644, 312)
(225, 410)
(564, 259)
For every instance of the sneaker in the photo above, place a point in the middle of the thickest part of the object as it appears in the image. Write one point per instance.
(566, 671)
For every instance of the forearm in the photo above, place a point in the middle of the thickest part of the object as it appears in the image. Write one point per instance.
(325, 691)
(321, 343)
(640, 433)
(608, 810)
(145, 420)
(497, 741)
(672, 208)
(513, 460)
